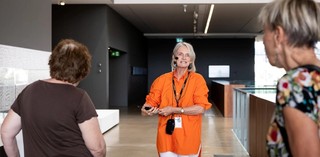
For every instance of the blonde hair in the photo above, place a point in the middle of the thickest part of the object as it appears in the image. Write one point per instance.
(299, 19)
(191, 53)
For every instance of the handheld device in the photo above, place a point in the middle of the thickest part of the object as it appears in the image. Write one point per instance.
(147, 108)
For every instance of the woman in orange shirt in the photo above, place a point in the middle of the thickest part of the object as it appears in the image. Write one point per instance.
(179, 98)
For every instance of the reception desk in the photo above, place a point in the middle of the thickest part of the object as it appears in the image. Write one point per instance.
(260, 113)
(222, 95)
(251, 118)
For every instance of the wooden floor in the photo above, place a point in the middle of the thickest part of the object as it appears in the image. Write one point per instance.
(135, 136)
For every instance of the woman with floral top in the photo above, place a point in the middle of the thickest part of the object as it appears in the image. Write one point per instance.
(291, 31)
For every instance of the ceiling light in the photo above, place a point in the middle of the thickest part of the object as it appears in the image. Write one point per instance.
(195, 15)
(185, 8)
(209, 19)
(62, 3)
(195, 21)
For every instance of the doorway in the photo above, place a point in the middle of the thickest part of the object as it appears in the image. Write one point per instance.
(118, 78)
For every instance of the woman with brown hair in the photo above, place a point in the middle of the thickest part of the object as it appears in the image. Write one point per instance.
(56, 117)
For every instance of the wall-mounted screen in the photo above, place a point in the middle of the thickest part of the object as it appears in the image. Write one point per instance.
(139, 70)
(219, 71)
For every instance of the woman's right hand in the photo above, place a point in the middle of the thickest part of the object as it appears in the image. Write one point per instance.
(149, 110)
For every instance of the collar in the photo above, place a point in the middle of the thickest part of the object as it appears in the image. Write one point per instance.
(183, 77)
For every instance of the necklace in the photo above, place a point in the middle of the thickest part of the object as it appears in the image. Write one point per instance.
(177, 97)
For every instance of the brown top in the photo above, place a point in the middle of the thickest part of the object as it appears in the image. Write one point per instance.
(50, 114)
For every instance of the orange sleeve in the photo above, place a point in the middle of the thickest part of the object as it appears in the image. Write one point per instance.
(201, 93)
(154, 96)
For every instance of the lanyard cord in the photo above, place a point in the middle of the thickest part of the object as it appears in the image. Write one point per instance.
(174, 89)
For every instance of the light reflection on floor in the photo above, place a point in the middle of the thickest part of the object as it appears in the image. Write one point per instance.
(135, 136)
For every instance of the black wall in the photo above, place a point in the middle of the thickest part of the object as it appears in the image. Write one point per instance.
(99, 27)
(126, 89)
(86, 24)
(236, 52)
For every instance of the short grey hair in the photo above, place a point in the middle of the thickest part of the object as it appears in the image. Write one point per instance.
(299, 19)
(191, 53)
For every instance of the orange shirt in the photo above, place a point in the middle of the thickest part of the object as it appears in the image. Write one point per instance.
(185, 140)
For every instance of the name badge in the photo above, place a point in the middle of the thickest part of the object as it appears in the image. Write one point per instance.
(178, 122)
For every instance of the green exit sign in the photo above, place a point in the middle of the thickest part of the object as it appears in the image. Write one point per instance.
(115, 53)
(178, 40)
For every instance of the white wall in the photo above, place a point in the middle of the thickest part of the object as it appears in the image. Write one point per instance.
(18, 68)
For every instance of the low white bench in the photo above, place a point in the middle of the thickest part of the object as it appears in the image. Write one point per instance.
(108, 118)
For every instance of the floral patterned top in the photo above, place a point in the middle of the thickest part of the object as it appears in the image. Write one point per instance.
(298, 88)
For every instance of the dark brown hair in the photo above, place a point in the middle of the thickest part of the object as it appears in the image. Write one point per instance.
(70, 61)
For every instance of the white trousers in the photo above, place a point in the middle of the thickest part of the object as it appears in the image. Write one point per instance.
(171, 154)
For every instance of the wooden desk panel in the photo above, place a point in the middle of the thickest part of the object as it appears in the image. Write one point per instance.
(222, 96)
(260, 113)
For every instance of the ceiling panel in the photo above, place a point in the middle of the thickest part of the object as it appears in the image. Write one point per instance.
(163, 20)
(170, 19)
(235, 18)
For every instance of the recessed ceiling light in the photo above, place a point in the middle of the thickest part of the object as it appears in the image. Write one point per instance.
(185, 8)
(209, 19)
(62, 3)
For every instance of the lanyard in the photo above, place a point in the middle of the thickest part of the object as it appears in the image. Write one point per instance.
(174, 89)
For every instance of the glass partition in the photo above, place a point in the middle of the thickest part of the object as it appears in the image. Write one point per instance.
(241, 109)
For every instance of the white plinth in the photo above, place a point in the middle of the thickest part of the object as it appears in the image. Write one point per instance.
(108, 118)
